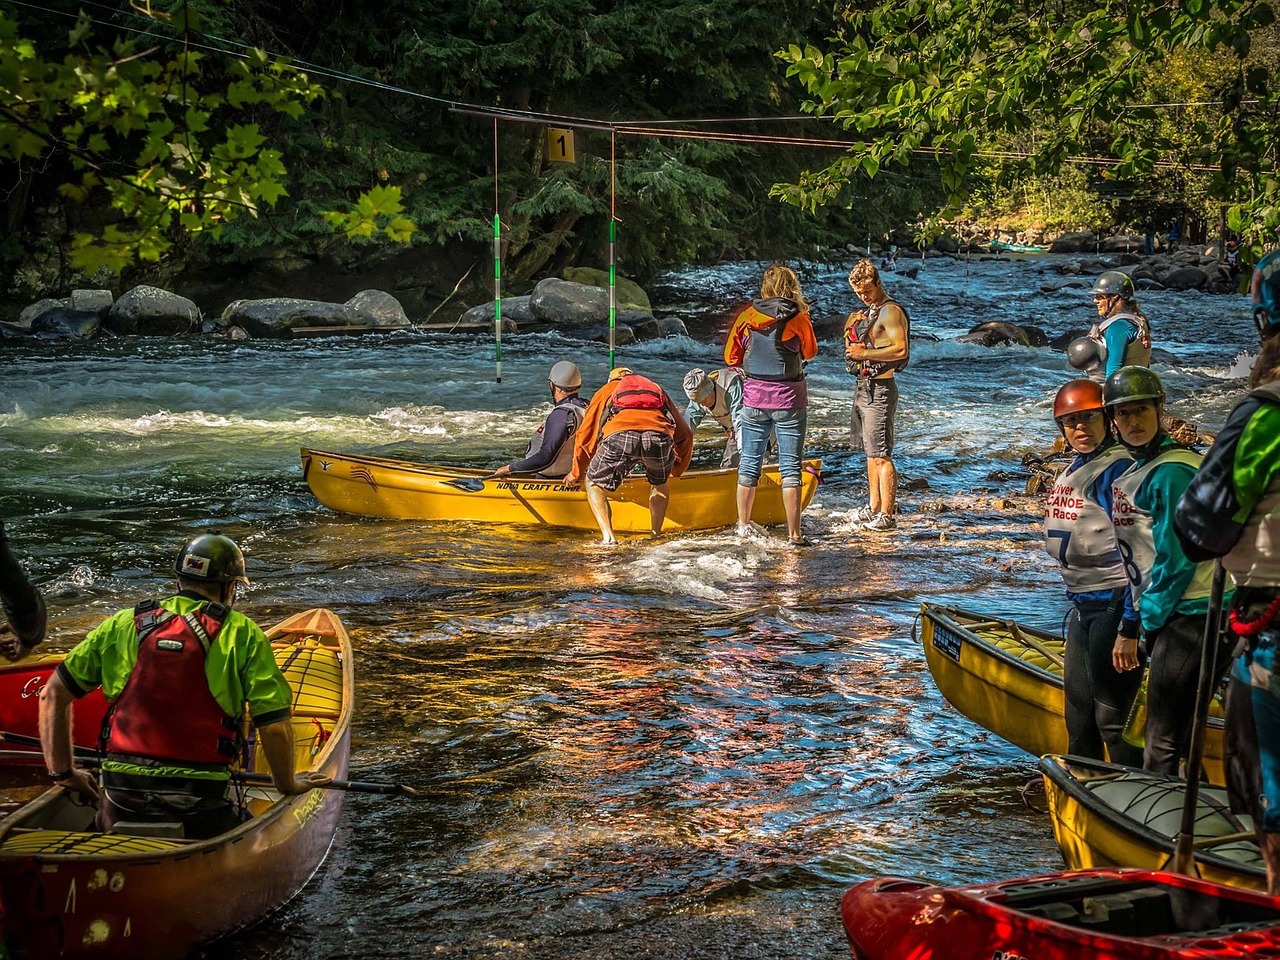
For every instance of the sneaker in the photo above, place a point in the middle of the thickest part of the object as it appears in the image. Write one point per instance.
(881, 521)
(862, 514)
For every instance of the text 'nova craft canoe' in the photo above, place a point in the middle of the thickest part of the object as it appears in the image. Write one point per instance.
(1007, 677)
(400, 489)
(69, 891)
(1094, 915)
(1106, 815)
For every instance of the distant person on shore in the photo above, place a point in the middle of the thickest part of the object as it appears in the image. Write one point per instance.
(550, 452)
(877, 345)
(1100, 675)
(771, 339)
(1122, 334)
(629, 421)
(1232, 510)
(23, 606)
(718, 395)
(1175, 233)
(1148, 237)
(1170, 591)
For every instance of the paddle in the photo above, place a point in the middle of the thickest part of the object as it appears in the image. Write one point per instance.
(89, 759)
(1183, 859)
(474, 484)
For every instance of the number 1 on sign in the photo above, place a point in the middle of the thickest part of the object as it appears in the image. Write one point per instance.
(559, 145)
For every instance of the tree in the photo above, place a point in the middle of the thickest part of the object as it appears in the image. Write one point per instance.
(1040, 83)
(172, 138)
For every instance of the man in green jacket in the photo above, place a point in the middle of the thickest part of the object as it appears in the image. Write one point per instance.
(178, 675)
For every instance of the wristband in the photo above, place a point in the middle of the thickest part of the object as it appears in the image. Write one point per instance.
(64, 775)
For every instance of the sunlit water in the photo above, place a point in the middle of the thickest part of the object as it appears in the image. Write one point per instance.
(682, 747)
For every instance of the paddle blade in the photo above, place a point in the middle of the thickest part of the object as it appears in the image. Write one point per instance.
(466, 484)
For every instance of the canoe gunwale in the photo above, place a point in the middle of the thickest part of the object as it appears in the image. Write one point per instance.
(1054, 768)
(945, 615)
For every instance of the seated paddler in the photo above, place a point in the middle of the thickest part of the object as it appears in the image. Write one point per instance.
(178, 675)
(550, 452)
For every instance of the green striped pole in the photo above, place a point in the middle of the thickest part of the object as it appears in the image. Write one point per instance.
(497, 293)
(613, 295)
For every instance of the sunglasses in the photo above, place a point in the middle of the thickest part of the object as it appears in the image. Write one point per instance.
(1080, 419)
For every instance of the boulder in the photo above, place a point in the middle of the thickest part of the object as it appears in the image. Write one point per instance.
(1067, 283)
(278, 316)
(995, 332)
(381, 309)
(569, 304)
(1061, 341)
(622, 334)
(31, 311)
(515, 311)
(1185, 278)
(150, 311)
(673, 327)
(645, 327)
(627, 293)
(1164, 356)
(1035, 336)
(1072, 242)
(1147, 283)
(945, 244)
(64, 322)
(99, 301)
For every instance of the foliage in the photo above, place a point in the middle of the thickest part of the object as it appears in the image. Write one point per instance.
(967, 80)
(174, 140)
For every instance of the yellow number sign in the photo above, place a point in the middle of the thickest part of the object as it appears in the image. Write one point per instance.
(559, 145)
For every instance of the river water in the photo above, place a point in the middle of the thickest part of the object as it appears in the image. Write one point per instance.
(682, 747)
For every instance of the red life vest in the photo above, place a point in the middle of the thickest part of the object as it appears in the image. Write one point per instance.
(635, 392)
(166, 710)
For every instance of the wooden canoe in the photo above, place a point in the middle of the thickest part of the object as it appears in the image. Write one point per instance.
(377, 487)
(1007, 677)
(1107, 815)
(20, 686)
(68, 891)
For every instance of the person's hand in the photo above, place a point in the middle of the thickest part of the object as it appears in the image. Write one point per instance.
(81, 782)
(503, 471)
(571, 481)
(1124, 655)
(11, 648)
(855, 351)
(303, 782)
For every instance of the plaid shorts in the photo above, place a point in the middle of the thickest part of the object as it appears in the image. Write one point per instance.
(619, 452)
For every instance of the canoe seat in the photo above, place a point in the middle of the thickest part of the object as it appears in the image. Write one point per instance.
(132, 828)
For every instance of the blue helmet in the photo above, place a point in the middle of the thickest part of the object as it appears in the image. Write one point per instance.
(1266, 296)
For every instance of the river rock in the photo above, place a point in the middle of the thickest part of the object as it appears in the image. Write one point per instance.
(151, 311)
(381, 309)
(1067, 283)
(1185, 278)
(64, 322)
(645, 326)
(627, 293)
(1164, 356)
(1073, 242)
(516, 310)
(33, 310)
(563, 303)
(1148, 283)
(672, 327)
(99, 301)
(1035, 336)
(995, 332)
(277, 316)
(1061, 341)
(622, 334)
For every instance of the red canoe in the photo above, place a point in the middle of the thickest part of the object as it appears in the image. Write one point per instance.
(1117, 914)
(20, 686)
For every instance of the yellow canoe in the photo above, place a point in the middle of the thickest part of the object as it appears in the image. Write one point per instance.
(1107, 815)
(377, 487)
(67, 890)
(1007, 677)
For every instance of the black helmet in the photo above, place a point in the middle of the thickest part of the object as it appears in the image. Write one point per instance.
(1113, 283)
(211, 556)
(1132, 383)
(1084, 353)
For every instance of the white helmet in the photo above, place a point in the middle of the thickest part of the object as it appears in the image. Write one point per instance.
(565, 375)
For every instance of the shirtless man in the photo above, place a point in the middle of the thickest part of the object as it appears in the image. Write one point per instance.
(876, 347)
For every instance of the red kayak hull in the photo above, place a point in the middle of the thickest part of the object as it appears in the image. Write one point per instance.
(20, 686)
(1117, 914)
